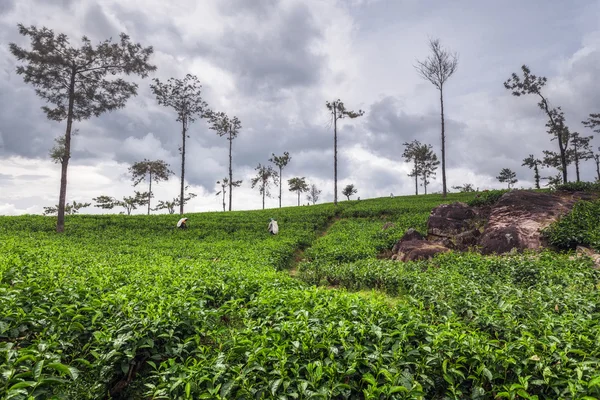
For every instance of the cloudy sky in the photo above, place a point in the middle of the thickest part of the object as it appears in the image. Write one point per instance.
(274, 63)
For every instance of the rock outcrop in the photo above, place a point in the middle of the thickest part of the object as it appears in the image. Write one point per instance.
(448, 220)
(516, 220)
(514, 223)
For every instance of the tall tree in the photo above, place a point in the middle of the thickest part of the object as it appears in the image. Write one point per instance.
(534, 163)
(298, 185)
(338, 111)
(593, 122)
(224, 184)
(155, 170)
(349, 190)
(230, 127)
(597, 161)
(412, 155)
(75, 81)
(313, 194)
(281, 162)
(428, 164)
(531, 84)
(185, 97)
(507, 176)
(580, 150)
(437, 68)
(264, 177)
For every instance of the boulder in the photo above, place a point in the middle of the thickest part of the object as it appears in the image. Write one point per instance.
(466, 239)
(410, 235)
(517, 218)
(412, 250)
(447, 220)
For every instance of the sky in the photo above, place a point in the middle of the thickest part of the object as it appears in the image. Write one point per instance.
(274, 64)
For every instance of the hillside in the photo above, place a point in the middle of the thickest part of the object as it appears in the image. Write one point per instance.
(129, 307)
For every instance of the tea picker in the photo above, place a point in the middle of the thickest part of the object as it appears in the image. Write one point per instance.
(182, 223)
(273, 227)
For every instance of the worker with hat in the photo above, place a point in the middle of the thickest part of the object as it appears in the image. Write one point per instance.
(273, 227)
(182, 223)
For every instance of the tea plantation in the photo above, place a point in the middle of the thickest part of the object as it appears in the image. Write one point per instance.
(128, 307)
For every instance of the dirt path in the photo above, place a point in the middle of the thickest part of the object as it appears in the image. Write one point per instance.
(299, 253)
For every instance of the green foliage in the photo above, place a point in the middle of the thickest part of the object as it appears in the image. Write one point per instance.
(486, 198)
(579, 187)
(580, 227)
(210, 312)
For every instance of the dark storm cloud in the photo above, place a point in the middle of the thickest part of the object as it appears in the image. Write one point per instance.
(389, 128)
(266, 63)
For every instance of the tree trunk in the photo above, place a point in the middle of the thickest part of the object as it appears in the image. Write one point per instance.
(576, 154)
(563, 156)
(298, 198)
(416, 179)
(182, 189)
(334, 153)
(223, 199)
(537, 177)
(62, 197)
(425, 186)
(280, 182)
(444, 191)
(149, 192)
(230, 171)
(263, 193)
(597, 159)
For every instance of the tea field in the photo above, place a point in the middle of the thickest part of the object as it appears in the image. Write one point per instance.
(128, 307)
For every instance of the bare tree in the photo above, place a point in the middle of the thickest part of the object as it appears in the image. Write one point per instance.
(298, 185)
(281, 162)
(74, 80)
(156, 170)
(534, 163)
(338, 111)
(313, 194)
(508, 176)
(230, 127)
(531, 84)
(349, 190)
(437, 68)
(185, 97)
(263, 179)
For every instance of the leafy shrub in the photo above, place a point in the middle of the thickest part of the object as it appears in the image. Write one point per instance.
(580, 227)
(579, 187)
(486, 198)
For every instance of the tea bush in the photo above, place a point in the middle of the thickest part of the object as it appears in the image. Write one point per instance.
(130, 307)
